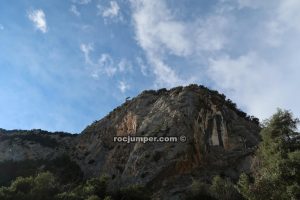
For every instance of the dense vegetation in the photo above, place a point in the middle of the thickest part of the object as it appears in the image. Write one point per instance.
(35, 135)
(63, 167)
(44, 140)
(47, 186)
(276, 174)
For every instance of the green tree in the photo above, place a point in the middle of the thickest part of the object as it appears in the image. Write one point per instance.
(23, 185)
(278, 161)
(91, 189)
(243, 186)
(44, 186)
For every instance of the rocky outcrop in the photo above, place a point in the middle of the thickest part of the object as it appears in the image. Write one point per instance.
(18, 145)
(220, 139)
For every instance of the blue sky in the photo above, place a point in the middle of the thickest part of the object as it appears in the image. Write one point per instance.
(64, 64)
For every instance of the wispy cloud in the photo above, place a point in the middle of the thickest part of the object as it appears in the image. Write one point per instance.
(105, 65)
(162, 35)
(1, 27)
(110, 12)
(123, 86)
(264, 77)
(144, 69)
(82, 1)
(254, 82)
(248, 4)
(165, 33)
(282, 21)
(125, 66)
(155, 36)
(251, 73)
(38, 17)
(247, 49)
(86, 49)
(74, 10)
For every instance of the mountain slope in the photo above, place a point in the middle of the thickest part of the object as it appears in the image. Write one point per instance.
(220, 140)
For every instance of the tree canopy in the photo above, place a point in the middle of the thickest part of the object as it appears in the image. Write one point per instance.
(277, 168)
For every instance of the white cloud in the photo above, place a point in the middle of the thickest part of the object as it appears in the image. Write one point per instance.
(248, 3)
(165, 75)
(163, 31)
(123, 86)
(104, 65)
(111, 12)
(288, 12)
(144, 70)
(82, 1)
(125, 66)
(246, 72)
(74, 10)
(210, 34)
(110, 71)
(39, 19)
(278, 17)
(161, 34)
(160, 30)
(254, 83)
(236, 53)
(157, 33)
(267, 77)
(143, 67)
(86, 49)
(282, 21)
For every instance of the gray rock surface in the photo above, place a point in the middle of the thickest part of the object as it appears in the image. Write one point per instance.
(220, 140)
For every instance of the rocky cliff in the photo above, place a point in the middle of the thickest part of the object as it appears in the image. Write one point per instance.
(219, 140)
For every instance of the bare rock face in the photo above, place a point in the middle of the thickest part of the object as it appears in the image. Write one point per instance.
(220, 139)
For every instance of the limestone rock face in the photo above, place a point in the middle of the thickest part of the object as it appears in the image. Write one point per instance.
(220, 139)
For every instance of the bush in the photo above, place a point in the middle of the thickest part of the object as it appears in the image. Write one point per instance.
(63, 167)
(199, 190)
(10, 170)
(23, 185)
(92, 188)
(133, 192)
(44, 186)
(223, 189)
(108, 198)
(93, 197)
(243, 186)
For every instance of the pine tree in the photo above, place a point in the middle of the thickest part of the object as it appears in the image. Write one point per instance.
(278, 168)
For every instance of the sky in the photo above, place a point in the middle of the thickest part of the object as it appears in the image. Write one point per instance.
(65, 64)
